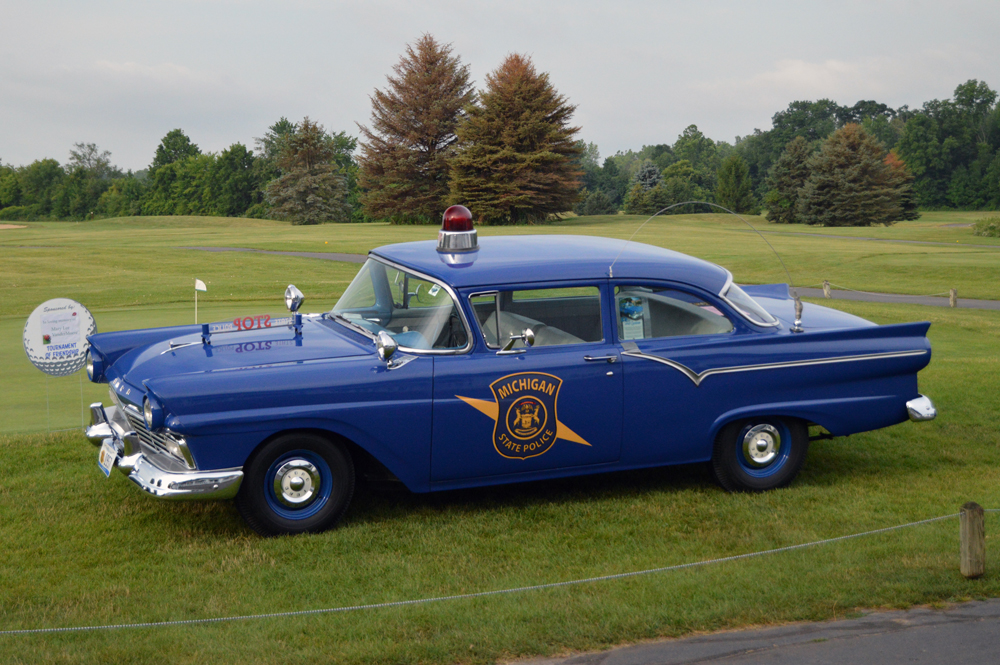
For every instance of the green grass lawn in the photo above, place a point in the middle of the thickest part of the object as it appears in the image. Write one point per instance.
(79, 549)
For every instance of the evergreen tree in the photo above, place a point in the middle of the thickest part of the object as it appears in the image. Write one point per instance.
(733, 190)
(786, 178)
(648, 176)
(311, 190)
(518, 158)
(849, 183)
(404, 161)
(174, 147)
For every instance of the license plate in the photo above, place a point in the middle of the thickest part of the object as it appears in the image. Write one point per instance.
(107, 457)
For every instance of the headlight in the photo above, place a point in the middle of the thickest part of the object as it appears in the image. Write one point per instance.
(95, 366)
(152, 412)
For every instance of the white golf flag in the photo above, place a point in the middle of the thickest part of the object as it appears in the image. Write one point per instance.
(200, 285)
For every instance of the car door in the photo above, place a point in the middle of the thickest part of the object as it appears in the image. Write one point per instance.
(667, 334)
(529, 410)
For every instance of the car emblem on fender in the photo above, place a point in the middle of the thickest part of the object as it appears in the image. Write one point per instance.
(526, 423)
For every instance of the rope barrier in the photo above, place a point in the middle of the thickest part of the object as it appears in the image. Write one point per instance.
(478, 594)
(901, 295)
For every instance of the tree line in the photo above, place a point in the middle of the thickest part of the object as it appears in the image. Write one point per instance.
(510, 153)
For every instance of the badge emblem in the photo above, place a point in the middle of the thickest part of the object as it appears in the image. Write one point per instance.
(526, 422)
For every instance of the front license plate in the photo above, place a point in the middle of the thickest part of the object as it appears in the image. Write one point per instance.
(106, 458)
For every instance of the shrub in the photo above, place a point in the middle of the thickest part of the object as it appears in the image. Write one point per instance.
(19, 213)
(596, 203)
(988, 227)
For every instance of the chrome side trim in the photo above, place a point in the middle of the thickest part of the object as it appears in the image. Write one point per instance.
(697, 378)
(454, 297)
(921, 409)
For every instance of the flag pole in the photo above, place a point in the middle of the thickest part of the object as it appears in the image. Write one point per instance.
(198, 286)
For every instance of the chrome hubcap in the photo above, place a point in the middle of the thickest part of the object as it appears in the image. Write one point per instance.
(296, 483)
(761, 445)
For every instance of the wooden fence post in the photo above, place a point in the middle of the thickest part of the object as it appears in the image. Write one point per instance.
(973, 536)
(826, 288)
(953, 298)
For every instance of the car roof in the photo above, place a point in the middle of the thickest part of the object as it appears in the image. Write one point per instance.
(547, 258)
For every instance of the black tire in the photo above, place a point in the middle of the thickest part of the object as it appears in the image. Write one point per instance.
(315, 478)
(759, 454)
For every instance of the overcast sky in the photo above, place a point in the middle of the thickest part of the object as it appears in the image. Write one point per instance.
(123, 74)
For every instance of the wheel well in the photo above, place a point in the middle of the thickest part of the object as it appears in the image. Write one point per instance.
(365, 464)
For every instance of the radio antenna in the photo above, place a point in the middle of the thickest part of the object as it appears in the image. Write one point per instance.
(798, 303)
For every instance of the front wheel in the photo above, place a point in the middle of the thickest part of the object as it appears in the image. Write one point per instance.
(759, 454)
(297, 483)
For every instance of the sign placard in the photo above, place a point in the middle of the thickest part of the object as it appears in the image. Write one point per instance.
(55, 336)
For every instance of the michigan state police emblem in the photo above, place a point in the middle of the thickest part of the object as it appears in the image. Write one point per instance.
(526, 423)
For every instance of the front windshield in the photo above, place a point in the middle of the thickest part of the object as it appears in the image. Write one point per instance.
(748, 307)
(419, 314)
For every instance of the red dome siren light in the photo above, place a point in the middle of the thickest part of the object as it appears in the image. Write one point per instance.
(457, 234)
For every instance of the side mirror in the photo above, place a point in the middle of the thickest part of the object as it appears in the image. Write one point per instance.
(527, 336)
(293, 298)
(386, 346)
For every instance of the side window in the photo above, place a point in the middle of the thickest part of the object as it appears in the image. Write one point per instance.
(645, 313)
(556, 316)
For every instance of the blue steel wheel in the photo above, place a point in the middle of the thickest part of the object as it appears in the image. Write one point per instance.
(296, 483)
(759, 454)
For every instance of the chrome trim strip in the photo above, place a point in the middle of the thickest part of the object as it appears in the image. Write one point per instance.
(729, 282)
(496, 294)
(454, 297)
(697, 378)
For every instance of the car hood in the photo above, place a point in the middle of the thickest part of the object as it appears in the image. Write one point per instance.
(187, 354)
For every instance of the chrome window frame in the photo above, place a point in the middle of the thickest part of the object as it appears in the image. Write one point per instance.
(423, 352)
(725, 289)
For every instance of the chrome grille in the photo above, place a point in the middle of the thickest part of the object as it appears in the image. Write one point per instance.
(154, 440)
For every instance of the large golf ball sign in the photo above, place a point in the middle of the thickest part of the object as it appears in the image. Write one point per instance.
(55, 336)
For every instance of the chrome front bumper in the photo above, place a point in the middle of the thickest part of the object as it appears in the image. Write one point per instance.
(153, 471)
(921, 409)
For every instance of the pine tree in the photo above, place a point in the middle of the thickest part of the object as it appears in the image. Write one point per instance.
(849, 183)
(517, 162)
(311, 189)
(404, 157)
(784, 181)
(734, 190)
(648, 176)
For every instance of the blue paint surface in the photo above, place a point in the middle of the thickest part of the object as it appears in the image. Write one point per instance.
(441, 421)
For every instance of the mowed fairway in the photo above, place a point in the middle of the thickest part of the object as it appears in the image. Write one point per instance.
(82, 550)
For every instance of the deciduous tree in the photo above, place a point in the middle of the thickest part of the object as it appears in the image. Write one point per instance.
(517, 163)
(174, 147)
(734, 190)
(404, 160)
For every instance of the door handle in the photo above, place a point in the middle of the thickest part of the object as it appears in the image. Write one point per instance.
(595, 359)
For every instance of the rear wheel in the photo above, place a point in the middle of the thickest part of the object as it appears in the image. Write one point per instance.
(759, 454)
(297, 483)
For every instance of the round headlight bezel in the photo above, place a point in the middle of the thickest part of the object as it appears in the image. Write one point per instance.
(152, 412)
(94, 365)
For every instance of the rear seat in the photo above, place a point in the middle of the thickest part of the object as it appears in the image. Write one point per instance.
(514, 324)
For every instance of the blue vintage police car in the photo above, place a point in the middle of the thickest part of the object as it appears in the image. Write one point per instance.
(462, 363)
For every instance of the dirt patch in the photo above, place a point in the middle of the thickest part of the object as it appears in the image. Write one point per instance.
(957, 226)
(11, 226)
